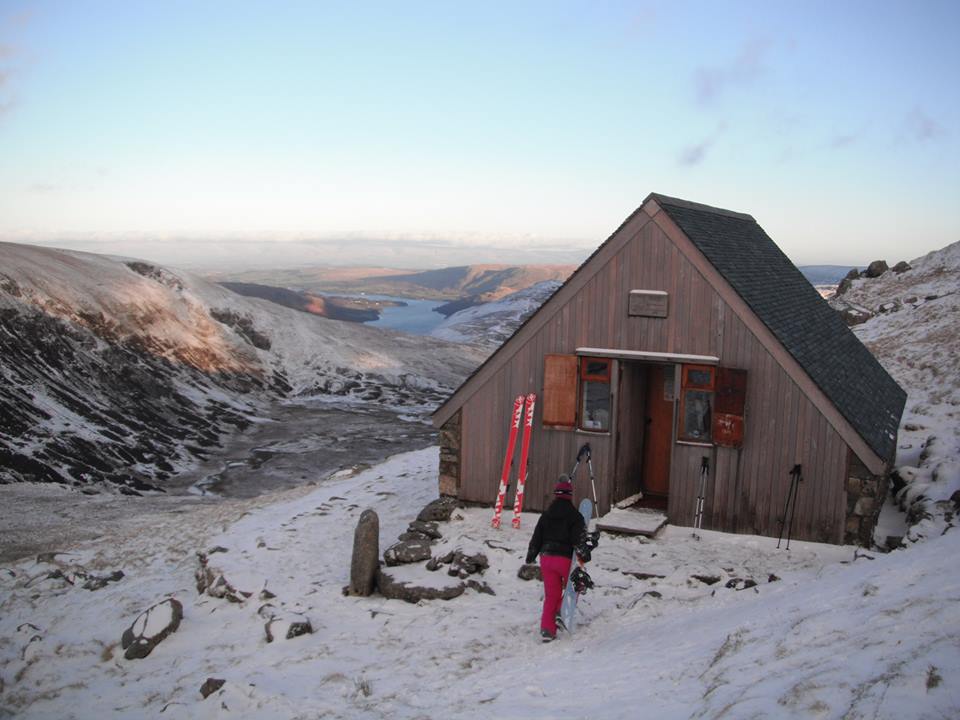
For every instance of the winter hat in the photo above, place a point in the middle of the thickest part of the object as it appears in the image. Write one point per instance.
(563, 488)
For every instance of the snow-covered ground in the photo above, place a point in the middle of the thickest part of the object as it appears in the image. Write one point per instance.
(826, 632)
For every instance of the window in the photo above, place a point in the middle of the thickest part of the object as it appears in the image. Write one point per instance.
(595, 394)
(696, 403)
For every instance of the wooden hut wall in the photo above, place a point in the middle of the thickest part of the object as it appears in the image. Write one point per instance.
(747, 488)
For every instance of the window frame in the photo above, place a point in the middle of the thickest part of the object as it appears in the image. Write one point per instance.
(689, 385)
(601, 378)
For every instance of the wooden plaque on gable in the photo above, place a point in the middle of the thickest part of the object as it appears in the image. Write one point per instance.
(648, 303)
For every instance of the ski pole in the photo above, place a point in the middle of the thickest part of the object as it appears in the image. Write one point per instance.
(593, 484)
(698, 513)
(790, 507)
(585, 450)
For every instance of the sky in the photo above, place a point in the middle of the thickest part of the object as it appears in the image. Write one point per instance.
(416, 133)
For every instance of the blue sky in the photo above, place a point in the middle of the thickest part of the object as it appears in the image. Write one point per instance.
(481, 125)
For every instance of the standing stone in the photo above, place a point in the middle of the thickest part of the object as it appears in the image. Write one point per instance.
(366, 555)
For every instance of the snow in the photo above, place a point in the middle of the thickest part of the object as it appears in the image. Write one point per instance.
(827, 631)
(837, 632)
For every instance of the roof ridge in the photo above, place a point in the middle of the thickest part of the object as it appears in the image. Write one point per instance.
(690, 205)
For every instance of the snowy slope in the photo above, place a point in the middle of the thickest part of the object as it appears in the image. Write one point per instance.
(915, 333)
(490, 324)
(827, 631)
(120, 372)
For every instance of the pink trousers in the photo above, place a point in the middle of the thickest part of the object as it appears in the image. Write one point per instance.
(555, 571)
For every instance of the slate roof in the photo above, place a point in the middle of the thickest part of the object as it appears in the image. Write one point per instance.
(811, 331)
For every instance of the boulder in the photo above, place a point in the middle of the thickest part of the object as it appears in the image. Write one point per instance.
(439, 510)
(366, 555)
(407, 551)
(398, 588)
(876, 269)
(901, 267)
(151, 627)
(95, 582)
(530, 571)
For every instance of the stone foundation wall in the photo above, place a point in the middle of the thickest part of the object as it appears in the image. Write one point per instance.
(450, 456)
(865, 496)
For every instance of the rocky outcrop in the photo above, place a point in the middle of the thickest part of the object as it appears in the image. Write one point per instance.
(151, 628)
(398, 589)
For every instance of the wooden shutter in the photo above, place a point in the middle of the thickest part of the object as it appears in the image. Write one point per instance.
(730, 398)
(560, 390)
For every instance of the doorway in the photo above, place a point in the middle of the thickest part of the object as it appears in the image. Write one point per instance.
(645, 420)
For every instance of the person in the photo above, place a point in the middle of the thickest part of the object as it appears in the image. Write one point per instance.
(558, 532)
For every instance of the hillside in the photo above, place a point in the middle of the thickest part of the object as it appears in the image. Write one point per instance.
(124, 374)
(479, 283)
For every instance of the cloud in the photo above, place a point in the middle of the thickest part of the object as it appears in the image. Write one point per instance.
(919, 126)
(693, 155)
(710, 83)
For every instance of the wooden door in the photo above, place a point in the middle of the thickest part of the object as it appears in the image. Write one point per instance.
(658, 439)
(631, 411)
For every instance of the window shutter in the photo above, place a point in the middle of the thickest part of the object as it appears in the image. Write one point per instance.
(729, 403)
(560, 390)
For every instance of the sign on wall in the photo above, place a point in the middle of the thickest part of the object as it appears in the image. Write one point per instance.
(648, 303)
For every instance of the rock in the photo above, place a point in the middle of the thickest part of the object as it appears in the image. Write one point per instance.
(652, 593)
(398, 589)
(366, 555)
(95, 582)
(643, 575)
(894, 541)
(706, 579)
(851, 313)
(530, 571)
(407, 551)
(772, 578)
(287, 627)
(151, 627)
(410, 535)
(212, 582)
(876, 269)
(480, 587)
(853, 274)
(426, 528)
(210, 686)
(901, 267)
(439, 510)
(464, 565)
(955, 499)
(741, 583)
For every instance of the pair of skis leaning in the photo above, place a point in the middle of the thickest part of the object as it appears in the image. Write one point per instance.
(529, 402)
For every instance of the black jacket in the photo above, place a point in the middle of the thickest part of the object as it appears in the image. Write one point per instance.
(558, 531)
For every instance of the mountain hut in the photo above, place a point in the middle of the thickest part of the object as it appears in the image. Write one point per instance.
(687, 345)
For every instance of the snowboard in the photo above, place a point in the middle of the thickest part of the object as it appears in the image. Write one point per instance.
(569, 605)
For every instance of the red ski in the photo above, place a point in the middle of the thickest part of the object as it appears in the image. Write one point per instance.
(508, 459)
(524, 454)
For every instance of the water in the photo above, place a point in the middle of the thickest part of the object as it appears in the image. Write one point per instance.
(416, 317)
